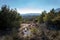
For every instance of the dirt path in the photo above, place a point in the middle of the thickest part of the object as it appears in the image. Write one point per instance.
(25, 29)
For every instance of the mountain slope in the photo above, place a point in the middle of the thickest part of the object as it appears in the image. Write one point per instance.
(30, 15)
(57, 10)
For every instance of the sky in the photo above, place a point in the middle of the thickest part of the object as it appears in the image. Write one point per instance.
(31, 6)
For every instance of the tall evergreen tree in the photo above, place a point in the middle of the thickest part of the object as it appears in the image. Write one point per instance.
(9, 21)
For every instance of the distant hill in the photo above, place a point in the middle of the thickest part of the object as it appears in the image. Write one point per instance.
(29, 15)
(57, 10)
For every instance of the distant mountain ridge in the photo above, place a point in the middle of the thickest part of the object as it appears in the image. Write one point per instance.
(57, 10)
(29, 15)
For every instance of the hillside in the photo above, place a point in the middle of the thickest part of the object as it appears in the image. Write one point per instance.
(30, 15)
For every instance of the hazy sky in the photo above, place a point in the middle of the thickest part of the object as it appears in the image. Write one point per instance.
(31, 6)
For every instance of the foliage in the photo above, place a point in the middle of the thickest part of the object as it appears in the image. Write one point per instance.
(34, 30)
(9, 18)
(40, 18)
(50, 16)
(9, 21)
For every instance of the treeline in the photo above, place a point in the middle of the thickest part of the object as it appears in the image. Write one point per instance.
(10, 21)
(50, 18)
